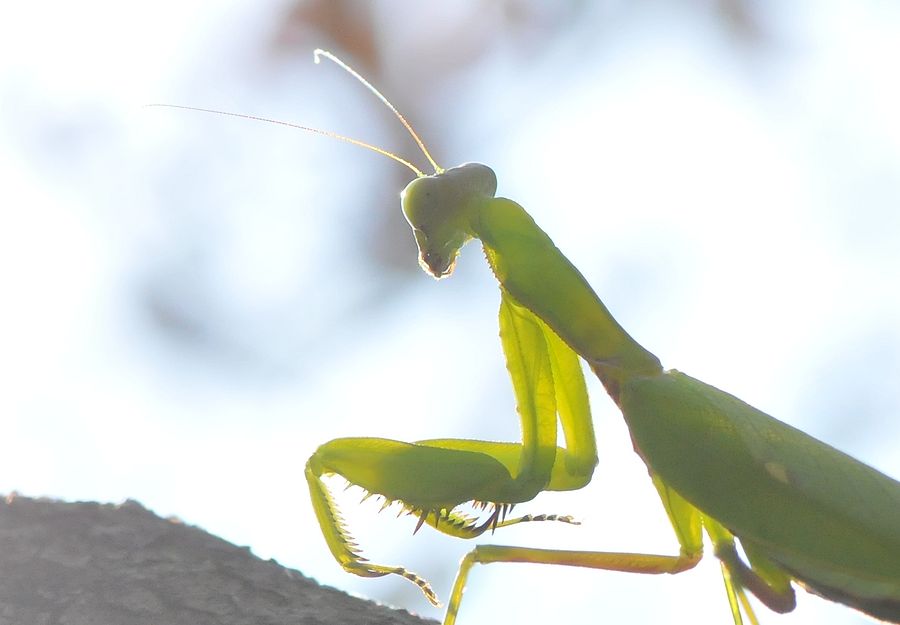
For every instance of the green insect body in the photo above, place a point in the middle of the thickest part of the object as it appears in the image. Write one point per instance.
(803, 512)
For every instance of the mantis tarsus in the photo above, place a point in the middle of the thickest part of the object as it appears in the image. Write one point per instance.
(718, 464)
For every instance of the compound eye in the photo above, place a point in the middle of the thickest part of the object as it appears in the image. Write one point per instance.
(419, 204)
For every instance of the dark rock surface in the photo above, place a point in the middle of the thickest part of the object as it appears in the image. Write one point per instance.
(101, 564)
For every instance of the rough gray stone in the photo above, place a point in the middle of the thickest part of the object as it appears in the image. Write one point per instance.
(101, 564)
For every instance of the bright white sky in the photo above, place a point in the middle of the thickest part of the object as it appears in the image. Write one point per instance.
(193, 303)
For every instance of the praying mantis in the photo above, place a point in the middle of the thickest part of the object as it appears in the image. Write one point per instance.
(719, 465)
(803, 513)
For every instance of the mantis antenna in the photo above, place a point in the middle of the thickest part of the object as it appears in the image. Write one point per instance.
(327, 133)
(318, 52)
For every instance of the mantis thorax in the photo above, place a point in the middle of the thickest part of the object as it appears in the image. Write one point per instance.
(440, 207)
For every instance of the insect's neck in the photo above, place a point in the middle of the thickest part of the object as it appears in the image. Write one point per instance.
(532, 270)
(610, 379)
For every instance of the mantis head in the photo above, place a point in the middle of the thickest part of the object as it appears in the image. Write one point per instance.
(440, 207)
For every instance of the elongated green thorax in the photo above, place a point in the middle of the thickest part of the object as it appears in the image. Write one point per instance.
(533, 270)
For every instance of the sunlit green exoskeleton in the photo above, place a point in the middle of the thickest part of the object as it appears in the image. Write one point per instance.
(804, 513)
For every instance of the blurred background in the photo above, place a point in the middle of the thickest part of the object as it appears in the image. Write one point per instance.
(192, 303)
